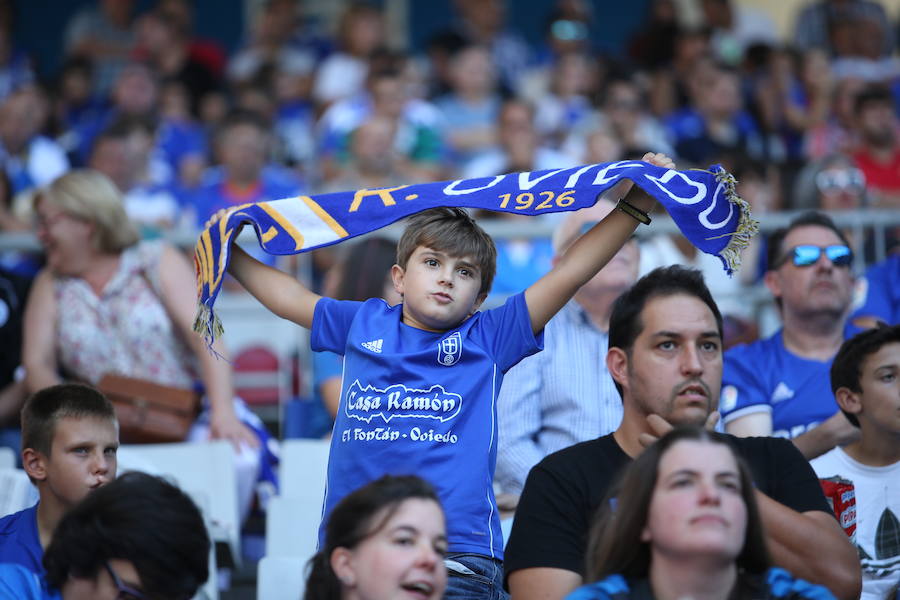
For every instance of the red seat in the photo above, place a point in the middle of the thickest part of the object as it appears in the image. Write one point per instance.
(257, 375)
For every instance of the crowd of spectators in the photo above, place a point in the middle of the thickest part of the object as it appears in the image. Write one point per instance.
(185, 129)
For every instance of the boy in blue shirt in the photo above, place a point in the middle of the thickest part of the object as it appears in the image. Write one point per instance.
(421, 378)
(69, 440)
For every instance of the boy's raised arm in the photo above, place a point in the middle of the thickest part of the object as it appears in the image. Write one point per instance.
(587, 255)
(278, 291)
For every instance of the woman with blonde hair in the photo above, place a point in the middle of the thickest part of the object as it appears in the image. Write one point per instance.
(107, 302)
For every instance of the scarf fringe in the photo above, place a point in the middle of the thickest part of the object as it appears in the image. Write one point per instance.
(747, 226)
(208, 323)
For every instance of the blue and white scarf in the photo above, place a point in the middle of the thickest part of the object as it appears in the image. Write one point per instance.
(702, 203)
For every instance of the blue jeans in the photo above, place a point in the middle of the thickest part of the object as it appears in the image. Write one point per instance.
(474, 577)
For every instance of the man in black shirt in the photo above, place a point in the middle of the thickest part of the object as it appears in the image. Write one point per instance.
(665, 355)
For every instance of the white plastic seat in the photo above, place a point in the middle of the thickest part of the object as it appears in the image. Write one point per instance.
(304, 468)
(280, 578)
(206, 468)
(16, 491)
(292, 527)
(210, 589)
(293, 517)
(7, 458)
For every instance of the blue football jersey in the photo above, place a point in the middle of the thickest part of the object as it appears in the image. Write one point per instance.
(19, 541)
(765, 376)
(423, 403)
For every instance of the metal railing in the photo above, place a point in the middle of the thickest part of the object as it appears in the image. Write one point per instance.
(862, 224)
(858, 222)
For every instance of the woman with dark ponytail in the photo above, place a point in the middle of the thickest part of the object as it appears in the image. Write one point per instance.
(386, 538)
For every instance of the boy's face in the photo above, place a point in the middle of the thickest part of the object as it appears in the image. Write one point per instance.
(880, 383)
(439, 291)
(82, 458)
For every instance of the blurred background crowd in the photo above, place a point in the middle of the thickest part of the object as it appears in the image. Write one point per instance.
(186, 124)
(280, 97)
(191, 106)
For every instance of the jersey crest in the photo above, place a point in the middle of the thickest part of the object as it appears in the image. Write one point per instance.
(450, 349)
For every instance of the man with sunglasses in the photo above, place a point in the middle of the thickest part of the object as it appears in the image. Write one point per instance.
(780, 385)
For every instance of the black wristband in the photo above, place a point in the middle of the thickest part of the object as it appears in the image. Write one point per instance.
(633, 211)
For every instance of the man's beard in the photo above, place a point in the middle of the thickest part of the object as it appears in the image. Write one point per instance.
(673, 415)
(684, 416)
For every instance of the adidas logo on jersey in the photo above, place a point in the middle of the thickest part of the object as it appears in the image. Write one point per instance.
(782, 392)
(374, 345)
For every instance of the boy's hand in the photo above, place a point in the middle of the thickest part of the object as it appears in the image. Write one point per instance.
(638, 197)
(659, 159)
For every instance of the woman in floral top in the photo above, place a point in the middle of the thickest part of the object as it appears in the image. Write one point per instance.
(107, 302)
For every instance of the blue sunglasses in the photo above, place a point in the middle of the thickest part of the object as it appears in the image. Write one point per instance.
(807, 255)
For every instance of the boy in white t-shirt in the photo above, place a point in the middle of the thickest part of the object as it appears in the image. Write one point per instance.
(865, 378)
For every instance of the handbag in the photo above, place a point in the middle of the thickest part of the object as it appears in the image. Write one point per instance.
(149, 412)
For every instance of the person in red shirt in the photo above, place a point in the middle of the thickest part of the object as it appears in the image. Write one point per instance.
(878, 154)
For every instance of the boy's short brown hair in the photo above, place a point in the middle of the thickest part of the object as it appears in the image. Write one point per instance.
(67, 400)
(453, 231)
(847, 366)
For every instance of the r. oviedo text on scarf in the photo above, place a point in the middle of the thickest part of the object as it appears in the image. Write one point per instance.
(702, 203)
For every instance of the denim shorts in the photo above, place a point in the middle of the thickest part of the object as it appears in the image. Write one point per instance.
(474, 577)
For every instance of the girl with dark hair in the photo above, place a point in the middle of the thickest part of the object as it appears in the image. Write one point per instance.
(385, 539)
(683, 523)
